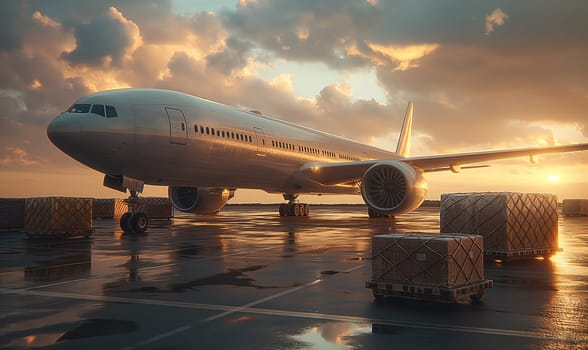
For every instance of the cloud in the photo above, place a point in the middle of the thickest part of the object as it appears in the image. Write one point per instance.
(404, 56)
(10, 20)
(45, 20)
(106, 39)
(495, 19)
(471, 92)
(14, 156)
(233, 57)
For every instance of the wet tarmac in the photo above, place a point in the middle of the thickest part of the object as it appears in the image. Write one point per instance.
(248, 279)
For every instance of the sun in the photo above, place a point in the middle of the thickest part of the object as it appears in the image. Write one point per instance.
(553, 178)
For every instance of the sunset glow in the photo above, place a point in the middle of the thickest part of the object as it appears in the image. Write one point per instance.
(482, 77)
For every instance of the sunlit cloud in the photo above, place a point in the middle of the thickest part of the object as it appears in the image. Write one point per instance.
(105, 39)
(45, 20)
(36, 84)
(495, 19)
(403, 56)
(17, 157)
(283, 82)
(302, 33)
(245, 3)
(302, 64)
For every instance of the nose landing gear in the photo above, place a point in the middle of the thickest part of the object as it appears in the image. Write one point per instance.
(134, 221)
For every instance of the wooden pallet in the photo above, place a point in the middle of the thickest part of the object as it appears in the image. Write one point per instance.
(521, 254)
(474, 291)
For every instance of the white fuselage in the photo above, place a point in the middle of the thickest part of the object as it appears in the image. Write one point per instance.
(173, 139)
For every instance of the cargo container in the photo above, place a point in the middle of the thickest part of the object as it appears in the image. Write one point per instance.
(109, 208)
(575, 207)
(12, 213)
(58, 217)
(514, 225)
(439, 267)
(156, 208)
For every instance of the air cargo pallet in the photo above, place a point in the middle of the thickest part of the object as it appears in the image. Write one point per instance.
(521, 254)
(474, 291)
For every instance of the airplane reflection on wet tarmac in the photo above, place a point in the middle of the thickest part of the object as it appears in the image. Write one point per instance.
(272, 282)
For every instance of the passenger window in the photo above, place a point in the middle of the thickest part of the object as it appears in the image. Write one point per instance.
(98, 109)
(212, 131)
(79, 108)
(111, 112)
(207, 131)
(223, 133)
(250, 139)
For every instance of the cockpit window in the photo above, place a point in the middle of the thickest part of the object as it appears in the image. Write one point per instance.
(79, 108)
(111, 112)
(98, 109)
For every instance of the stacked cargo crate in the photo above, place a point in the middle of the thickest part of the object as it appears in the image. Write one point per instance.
(446, 267)
(108, 208)
(156, 208)
(514, 225)
(12, 213)
(575, 207)
(58, 217)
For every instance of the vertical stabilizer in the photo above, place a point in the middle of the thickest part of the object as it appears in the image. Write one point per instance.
(403, 148)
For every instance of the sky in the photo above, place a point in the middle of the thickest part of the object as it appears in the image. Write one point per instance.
(482, 74)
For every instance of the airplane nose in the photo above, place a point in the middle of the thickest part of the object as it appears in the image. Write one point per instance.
(64, 132)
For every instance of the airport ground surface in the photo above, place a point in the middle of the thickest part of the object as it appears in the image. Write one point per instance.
(248, 279)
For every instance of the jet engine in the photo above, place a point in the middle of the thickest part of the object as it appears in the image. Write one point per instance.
(199, 200)
(390, 188)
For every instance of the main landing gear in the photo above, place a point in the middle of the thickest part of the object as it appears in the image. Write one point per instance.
(134, 221)
(293, 208)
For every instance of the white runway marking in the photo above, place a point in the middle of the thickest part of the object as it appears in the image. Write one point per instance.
(247, 308)
(275, 296)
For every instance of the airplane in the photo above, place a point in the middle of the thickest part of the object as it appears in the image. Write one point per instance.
(204, 150)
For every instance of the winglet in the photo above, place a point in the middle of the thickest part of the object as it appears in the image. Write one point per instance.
(403, 148)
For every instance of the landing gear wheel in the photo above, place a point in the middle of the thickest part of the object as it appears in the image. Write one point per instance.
(125, 222)
(296, 209)
(139, 222)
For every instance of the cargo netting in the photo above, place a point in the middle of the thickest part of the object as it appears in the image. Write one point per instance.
(509, 222)
(429, 259)
(58, 215)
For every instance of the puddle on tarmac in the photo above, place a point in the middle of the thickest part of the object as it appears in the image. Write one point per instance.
(332, 335)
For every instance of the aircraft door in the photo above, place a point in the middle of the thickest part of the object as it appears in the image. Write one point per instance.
(260, 137)
(178, 131)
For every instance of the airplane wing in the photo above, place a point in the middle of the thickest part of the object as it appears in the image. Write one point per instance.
(349, 172)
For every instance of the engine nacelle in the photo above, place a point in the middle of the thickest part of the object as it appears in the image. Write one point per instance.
(200, 200)
(391, 188)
